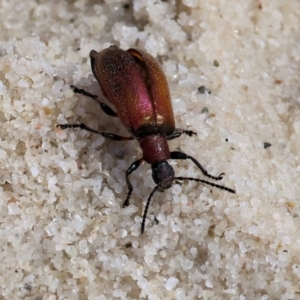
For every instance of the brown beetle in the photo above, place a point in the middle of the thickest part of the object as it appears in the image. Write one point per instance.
(136, 85)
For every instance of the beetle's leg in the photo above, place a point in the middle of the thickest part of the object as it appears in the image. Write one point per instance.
(146, 209)
(178, 132)
(107, 135)
(180, 155)
(103, 106)
(129, 171)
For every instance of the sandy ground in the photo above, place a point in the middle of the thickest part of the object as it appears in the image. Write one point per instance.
(63, 231)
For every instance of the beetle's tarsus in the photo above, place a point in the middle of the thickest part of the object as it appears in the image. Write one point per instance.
(189, 132)
(178, 132)
(221, 176)
(126, 202)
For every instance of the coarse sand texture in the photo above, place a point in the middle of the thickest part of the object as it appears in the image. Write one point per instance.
(233, 69)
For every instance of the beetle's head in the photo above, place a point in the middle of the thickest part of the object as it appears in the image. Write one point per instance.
(163, 175)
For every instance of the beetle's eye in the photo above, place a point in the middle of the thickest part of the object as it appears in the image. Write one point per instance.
(163, 174)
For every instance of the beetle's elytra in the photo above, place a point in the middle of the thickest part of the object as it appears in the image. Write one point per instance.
(136, 85)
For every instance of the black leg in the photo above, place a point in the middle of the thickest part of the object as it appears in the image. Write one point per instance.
(129, 171)
(180, 155)
(103, 106)
(146, 209)
(107, 135)
(178, 132)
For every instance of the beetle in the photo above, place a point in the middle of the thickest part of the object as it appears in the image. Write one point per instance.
(136, 85)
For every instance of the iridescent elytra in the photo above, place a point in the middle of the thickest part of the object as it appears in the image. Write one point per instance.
(134, 82)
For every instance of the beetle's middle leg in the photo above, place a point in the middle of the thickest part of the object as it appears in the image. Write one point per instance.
(107, 135)
(103, 106)
(178, 132)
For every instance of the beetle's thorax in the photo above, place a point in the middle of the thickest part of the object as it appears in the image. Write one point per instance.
(155, 148)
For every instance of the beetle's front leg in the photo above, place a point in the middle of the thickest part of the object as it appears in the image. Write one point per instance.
(178, 132)
(181, 155)
(107, 135)
(103, 106)
(129, 171)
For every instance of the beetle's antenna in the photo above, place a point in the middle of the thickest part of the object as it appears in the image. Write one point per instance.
(208, 183)
(181, 179)
(146, 208)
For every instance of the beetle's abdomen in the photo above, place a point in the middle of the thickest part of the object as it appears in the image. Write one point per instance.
(127, 83)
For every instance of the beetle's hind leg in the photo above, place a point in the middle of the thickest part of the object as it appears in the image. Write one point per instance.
(107, 135)
(178, 132)
(103, 106)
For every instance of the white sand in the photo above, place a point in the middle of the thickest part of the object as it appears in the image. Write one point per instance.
(63, 231)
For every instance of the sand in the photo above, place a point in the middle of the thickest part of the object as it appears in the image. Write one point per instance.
(63, 231)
